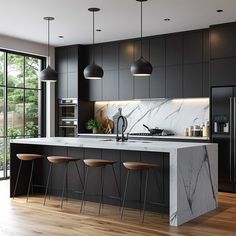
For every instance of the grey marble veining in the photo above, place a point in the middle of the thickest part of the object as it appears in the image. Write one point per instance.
(171, 114)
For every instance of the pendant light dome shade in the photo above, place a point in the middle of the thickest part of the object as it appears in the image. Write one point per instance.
(141, 67)
(93, 71)
(48, 74)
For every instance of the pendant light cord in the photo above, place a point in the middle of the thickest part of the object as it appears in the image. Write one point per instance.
(48, 41)
(93, 38)
(141, 28)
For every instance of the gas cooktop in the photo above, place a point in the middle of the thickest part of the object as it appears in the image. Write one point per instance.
(164, 133)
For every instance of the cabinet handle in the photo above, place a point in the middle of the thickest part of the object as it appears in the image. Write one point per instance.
(231, 137)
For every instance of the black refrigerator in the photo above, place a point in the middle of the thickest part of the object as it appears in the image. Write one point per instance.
(223, 132)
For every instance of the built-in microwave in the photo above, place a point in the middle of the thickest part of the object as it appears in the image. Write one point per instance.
(68, 128)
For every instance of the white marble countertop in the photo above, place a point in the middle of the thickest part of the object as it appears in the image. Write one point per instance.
(106, 143)
(147, 137)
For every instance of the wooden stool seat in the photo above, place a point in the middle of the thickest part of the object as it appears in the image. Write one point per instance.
(139, 165)
(28, 157)
(61, 159)
(98, 162)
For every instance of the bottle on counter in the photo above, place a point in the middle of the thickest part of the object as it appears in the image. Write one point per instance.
(190, 131)
(196, 131)
(206, 130)
(186, 132)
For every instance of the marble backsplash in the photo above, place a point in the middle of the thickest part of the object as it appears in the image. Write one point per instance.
(174, 115)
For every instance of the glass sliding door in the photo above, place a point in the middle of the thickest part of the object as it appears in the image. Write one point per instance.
(20, 95)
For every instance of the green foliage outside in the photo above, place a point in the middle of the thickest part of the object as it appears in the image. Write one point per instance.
(19, 101)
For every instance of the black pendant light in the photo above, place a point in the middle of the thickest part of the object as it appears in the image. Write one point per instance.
(93, 71)
(48, 74)
(141, 67)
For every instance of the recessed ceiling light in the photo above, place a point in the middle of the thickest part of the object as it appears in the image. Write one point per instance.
(219, 10)
(167, 19)
(61, 36)
(98, 30)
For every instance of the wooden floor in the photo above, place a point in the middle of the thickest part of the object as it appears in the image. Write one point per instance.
(18, 218)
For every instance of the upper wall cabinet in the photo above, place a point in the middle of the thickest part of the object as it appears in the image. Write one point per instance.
(157, 51)
(145, 49)
(222, 40)
(174, 49)
(61, 60)
(126, 54)
(193, 47)
(110, 56)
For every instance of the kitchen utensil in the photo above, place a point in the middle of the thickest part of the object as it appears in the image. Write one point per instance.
(153, 131)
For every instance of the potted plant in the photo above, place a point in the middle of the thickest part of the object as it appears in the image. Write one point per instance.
(94, 125)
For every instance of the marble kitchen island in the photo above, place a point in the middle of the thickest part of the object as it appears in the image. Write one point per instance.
(192, 167)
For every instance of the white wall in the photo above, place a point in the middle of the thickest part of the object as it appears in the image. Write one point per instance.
(19, 45)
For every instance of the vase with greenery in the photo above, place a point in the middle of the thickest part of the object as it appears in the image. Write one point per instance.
(94, 125)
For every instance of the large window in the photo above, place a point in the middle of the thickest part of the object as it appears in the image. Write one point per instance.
(20, 93)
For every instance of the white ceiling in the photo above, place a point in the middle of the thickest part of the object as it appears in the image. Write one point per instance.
(118, 19)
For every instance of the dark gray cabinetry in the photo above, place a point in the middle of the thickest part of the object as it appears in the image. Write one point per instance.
(223, 72)
(157, 51)
(206, 80)
(222, 40)
(174, 81)
(193, 47)
(193, 80)
(157, 83)
(110, 85)
(110, 56)
(174, 49)
(126, 54)
(67, 68)
(126, 85)
(95, 86)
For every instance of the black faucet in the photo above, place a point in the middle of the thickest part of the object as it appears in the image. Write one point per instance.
(123, 128)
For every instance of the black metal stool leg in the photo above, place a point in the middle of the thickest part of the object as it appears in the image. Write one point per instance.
(48, 180)
(31, 173)
(101, 191)
(79, 175)
(85, 185)
(158, 185)
(17, 179)
(126, 185)
(145, 195)
(64, 184)
(117, 185)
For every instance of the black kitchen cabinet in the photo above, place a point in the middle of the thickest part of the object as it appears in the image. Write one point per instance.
(95, 86)
(61, 60)
(72, 59)
(206, 46)
(141, 87)
(145, 49)
(110, 56)
(126, 85)
(206, 80)
(126, 54)
(157, 83)
(157, 51)
(174, 49)
(193, 47)
(193, 80)
(174, 81)
(72, 85)
(222, 40)
(110, 85)
(223, 72)
(62, 85)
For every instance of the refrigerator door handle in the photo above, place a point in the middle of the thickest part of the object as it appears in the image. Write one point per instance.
(231, 120)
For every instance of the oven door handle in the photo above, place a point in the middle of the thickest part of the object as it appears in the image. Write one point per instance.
(67, 126)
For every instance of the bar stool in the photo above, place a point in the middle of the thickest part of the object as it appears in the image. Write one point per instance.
(61, 160)
(26, 157)
(102, 164)
(137, 166)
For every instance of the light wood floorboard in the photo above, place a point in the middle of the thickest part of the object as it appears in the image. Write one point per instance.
(18, 218)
